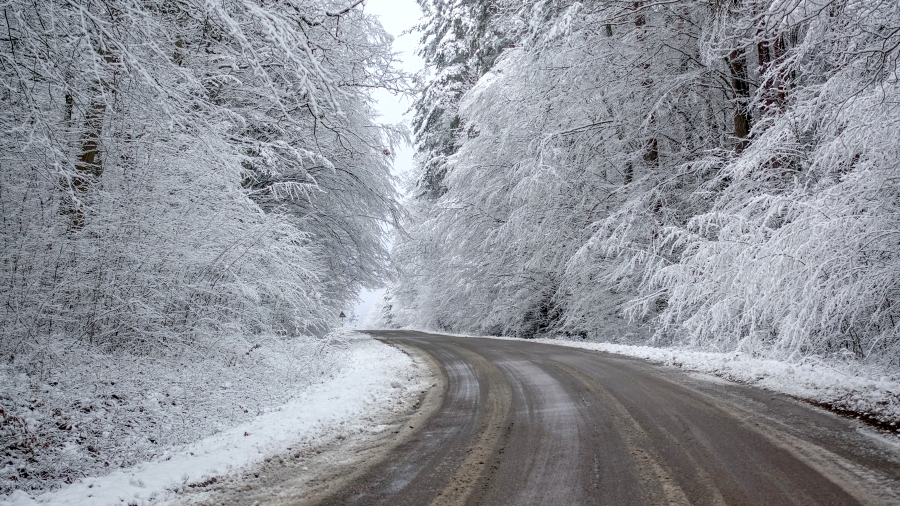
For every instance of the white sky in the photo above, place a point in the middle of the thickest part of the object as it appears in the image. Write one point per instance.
(396, 16)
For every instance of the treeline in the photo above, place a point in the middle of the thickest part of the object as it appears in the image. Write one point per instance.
(724, 173)
(172, 170)
(185, 187)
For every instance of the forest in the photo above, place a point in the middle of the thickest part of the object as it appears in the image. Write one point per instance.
(190, 193)
(719, 174)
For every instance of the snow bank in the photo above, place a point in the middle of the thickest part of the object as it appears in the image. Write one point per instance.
(376, 377)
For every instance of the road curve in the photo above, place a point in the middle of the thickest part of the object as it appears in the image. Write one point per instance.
(523, 423)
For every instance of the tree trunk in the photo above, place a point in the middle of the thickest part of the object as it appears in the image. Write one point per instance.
(651, 146)
(781, 78)
(737, 64)
(769, 51)
(89, 166)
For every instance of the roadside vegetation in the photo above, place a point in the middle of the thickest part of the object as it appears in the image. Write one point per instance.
(190, 193)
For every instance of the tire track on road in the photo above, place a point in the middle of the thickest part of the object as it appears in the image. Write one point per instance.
(495, 410)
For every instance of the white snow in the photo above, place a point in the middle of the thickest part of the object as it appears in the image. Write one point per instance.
(378, 376)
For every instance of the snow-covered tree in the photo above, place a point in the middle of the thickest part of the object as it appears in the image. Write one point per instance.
(799, 254)
(184, 178)
(460, 41)
(171, 127)
(721, 170)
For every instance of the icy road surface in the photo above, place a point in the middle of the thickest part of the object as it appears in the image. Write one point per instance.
(524, 423)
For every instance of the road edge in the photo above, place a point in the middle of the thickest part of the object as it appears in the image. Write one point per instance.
(311, 475)
(338, 477)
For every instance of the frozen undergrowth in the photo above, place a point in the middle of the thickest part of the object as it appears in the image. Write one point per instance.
(372, 378)
(89, 414)
(869, 392)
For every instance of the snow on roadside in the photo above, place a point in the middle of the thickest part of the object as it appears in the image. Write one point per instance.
(376, 378)
(869, 393)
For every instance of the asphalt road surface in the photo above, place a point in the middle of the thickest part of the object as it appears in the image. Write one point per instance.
(522, 423)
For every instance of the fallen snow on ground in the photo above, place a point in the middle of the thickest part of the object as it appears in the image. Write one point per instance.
(866, 391)
(377, 377)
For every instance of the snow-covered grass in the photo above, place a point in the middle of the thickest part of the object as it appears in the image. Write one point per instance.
(869, 392)
(357, 377)
(89, 413)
